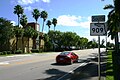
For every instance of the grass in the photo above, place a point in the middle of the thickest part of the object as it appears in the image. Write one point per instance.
(109, 69)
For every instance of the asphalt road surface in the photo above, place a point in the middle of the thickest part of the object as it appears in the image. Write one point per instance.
(41, 66)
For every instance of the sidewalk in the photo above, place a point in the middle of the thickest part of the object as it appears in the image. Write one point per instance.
(90, 71)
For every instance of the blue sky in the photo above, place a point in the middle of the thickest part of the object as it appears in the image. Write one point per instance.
(72, 15)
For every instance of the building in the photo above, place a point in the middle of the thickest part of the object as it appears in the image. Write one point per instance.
(24, 44)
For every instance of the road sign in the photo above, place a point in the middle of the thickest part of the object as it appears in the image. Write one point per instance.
(98, 18)
(98, 29)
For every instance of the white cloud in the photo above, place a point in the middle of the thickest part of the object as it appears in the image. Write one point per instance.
(46, 1)
(41, 9)
(79, 21)
(29, 8)
(13, 22)
(72, 20)
(26, 2)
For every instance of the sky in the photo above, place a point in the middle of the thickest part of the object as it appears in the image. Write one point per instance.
(71, 15)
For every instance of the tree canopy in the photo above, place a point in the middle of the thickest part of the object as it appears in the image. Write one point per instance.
(6, 32)
(65, 40)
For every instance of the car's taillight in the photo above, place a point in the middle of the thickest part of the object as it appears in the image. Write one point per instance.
(67, 57)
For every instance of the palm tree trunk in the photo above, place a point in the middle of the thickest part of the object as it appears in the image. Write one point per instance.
(116, 43)
(34, 40)
(23, 44)
(54, 39)
(40, 43)
(18, 20)
(54, 28)
(43, 26)
(116, 59)
(49, 29)
(34, 43)
(41, 35)
(16, 42)
(28, 45)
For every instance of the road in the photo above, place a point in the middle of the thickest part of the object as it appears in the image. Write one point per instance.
(40, 66)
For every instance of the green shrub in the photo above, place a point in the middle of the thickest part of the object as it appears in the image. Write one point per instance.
(9, 52)
(18, 52)
(35, 51)
(4, 52)
(1, 53)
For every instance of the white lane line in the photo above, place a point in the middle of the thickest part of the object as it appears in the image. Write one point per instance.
(4, 63)
(8, 62)
(72, 71)
(24, 55)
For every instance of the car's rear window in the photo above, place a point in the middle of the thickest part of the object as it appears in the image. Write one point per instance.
(64, 53)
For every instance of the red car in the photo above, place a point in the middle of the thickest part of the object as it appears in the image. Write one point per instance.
(66, 57)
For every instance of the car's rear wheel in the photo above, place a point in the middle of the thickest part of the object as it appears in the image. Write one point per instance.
(71, 61)
(77, 60)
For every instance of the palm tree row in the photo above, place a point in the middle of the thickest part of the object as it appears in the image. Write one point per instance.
(54, 22)
(36, 14)
(22, 19)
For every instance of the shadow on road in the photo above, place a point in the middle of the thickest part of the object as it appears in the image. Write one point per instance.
(56, 64)
(79, 61)
(55, 74)
(90, 71)
(87, 72)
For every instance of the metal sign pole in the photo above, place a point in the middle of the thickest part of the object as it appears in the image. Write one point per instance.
(99, 68)
(99, 31)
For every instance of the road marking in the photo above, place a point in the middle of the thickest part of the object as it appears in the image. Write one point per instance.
(72, 71)
(24, 55)
(4, 63)
(24, 61)
(8, 62)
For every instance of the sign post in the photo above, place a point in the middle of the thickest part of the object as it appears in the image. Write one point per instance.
(99, 67)
(97, 28)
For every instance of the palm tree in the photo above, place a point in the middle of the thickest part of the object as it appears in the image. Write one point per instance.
(18, 33)
(49, 24)
(34, 36)
(23, 22)
(113, 23)
(54, 22)
(28, 32)
(44, 15)
(36, 14)
(18, 10)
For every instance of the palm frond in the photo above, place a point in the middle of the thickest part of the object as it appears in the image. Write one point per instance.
(109, 6)
(110, 13)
